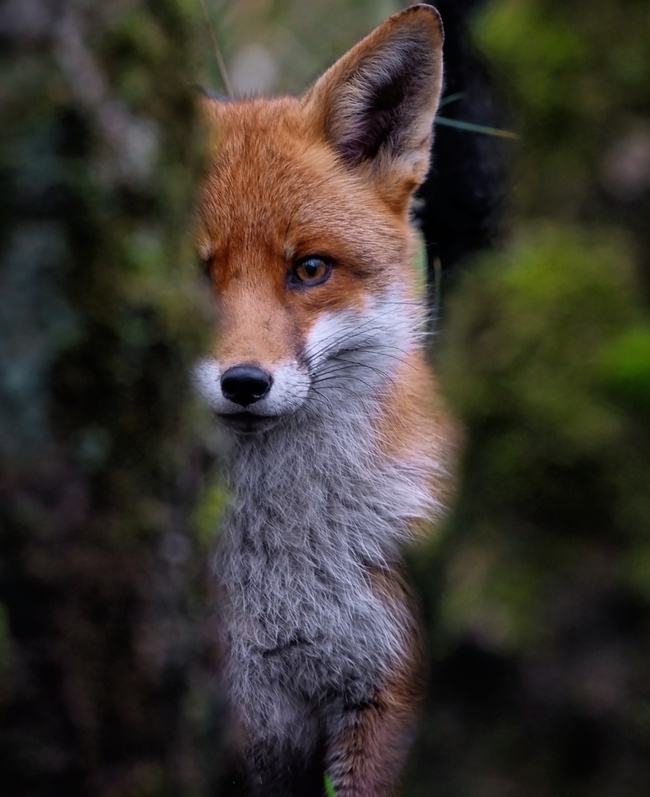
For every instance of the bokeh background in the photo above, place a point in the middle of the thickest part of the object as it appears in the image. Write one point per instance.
(275, 47)
(536, 593)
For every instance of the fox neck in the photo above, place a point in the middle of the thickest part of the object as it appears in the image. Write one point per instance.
(325, 474)
(321, 472)
(316, 509)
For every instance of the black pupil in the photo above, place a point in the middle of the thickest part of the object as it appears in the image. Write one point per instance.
(311, 267)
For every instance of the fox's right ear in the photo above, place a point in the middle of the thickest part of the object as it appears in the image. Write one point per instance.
(376, 105)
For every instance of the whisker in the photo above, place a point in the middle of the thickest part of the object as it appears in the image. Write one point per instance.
(356, 331)
(372, 368)
(357, 338)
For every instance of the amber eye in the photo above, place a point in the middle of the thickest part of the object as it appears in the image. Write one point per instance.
(310, 271)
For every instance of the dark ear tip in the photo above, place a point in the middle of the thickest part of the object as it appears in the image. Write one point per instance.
(424, 11)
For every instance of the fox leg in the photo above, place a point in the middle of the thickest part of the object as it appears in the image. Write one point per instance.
(366, 756)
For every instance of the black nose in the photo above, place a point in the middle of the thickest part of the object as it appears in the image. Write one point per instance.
(245, 384)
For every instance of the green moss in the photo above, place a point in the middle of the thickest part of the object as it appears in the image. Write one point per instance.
(579, 75)
(526, 339)
(100, 563)
(538, 42)
(210, 512)
(541, 622)
(625, 367)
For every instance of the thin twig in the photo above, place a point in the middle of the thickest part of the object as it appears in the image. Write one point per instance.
(472, 128)
(217, 51)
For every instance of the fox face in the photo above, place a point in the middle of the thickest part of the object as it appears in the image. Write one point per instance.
(304, 230)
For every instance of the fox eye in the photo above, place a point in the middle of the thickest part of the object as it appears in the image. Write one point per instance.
(310, 271)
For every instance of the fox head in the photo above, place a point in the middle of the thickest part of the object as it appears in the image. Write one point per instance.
(304, 229)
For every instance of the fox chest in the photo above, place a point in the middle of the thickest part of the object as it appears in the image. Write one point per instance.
(300, 612)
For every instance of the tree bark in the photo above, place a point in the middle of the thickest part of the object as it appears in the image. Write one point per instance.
(105, 668)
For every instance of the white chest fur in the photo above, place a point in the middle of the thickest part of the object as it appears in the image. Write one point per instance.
(315, 506)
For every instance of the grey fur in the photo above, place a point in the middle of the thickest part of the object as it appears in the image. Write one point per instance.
(315, 504)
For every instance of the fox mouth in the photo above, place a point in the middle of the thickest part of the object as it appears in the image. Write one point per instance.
(247, 423)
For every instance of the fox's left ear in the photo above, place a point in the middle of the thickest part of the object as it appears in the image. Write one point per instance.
(377, 104)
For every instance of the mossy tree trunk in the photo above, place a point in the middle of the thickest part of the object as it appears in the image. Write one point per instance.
(540, 610)
(105, 683)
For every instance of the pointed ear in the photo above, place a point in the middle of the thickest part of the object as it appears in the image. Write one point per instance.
(377, 104)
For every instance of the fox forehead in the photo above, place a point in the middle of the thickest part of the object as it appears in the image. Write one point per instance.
(276, 192)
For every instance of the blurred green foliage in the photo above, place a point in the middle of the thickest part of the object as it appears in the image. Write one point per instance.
(579, 76)
(299, 39)
(527, 353)
(103, 648)
(540, 609)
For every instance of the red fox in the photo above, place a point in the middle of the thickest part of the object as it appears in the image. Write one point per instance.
(338, 444)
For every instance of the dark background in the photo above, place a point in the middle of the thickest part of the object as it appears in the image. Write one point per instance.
(536, 593)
